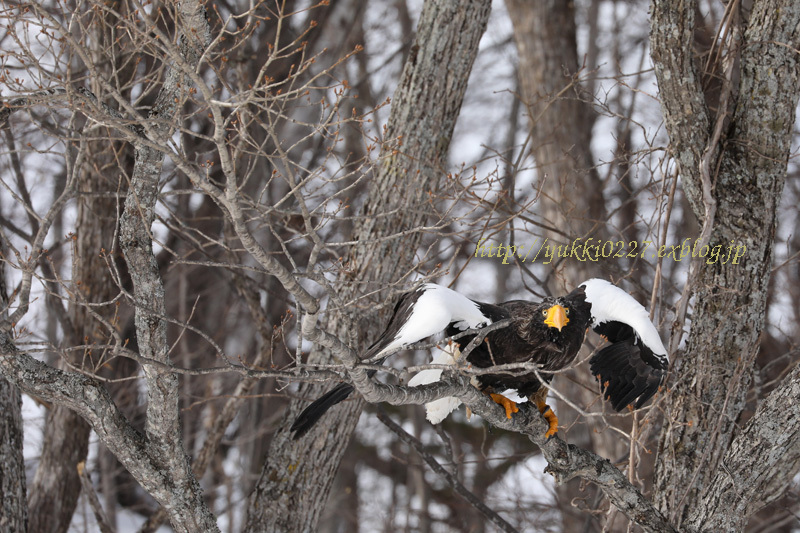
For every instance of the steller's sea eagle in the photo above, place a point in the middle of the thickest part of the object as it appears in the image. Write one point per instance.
(548, 333)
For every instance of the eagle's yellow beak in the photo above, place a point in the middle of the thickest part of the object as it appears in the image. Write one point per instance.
(556, 317)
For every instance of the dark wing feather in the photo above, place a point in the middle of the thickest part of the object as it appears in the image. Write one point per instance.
(402, 310)
(614, 331)
(311, 414)
(319, 407)
(627, 373)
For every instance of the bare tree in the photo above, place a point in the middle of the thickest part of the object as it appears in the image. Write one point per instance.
(13, 485)
(424, 110)
(733, 166)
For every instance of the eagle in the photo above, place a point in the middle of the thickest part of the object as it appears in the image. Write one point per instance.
(630, 368)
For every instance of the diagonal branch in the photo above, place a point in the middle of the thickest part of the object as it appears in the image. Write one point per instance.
(92, 401)
(565, 461)
(462, 491)
(94, 501)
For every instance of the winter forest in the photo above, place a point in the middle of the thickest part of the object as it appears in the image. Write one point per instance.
(208, 211)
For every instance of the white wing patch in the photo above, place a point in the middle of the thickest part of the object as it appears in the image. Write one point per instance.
(436, 308)
(438, 410)
(610, 303)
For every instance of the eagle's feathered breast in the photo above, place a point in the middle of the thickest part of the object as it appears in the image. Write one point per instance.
(529, 340)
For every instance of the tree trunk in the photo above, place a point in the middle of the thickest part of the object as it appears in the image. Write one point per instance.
(13, 496)
(759, 465)
(14, 505)
(297, 476)
(733, 168)
(571, 202)
(56, 487)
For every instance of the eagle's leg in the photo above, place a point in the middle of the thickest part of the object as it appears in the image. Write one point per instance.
(539, 398)
(509, 405)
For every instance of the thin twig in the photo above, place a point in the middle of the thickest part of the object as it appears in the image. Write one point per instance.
(94, 502)
(460, 489)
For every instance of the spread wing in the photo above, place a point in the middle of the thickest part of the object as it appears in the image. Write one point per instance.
(628, 370)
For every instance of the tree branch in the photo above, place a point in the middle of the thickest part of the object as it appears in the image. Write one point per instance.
(163, 426)
(565, 461)
(92, 401)
(463, 491)
(680, 91)
(94, 502)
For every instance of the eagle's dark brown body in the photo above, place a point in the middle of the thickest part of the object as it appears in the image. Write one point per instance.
(529, 340)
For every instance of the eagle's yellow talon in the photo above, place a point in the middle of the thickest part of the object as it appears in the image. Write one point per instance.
(552, 419)
(509, 405)
(548, 415)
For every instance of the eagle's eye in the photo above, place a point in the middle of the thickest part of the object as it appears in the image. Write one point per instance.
(544, 313)
(566, 310)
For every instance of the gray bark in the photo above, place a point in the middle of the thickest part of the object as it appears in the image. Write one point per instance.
(13, 498)
(91, 400)
(14, 505)
(297, 476)
(163, 426)
(733, 168)
(759, 465)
